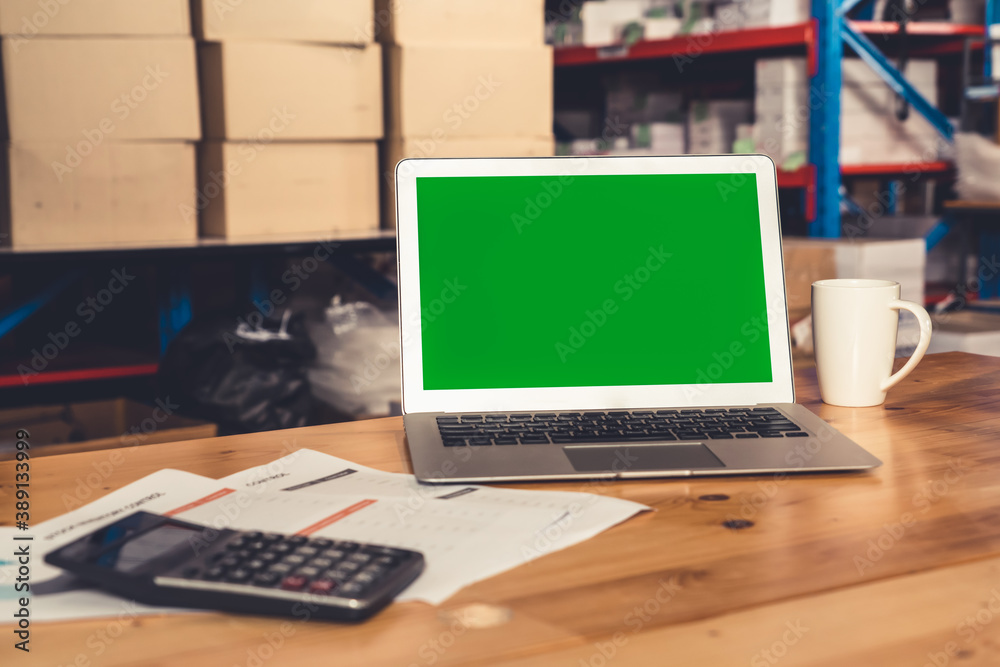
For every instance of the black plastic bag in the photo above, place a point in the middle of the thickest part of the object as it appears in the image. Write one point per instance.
(243, 378)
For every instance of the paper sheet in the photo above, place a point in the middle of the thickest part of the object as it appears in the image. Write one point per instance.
(55, 596)
(466, 532)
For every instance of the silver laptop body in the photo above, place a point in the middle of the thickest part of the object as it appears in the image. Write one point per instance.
(599, 317)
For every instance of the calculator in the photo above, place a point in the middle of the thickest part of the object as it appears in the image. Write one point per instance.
(162, 561)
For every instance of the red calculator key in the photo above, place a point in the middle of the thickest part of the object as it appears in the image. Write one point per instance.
(322, 586)
(293, 583)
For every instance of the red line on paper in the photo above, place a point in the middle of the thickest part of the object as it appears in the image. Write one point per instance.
(200, 501)
(333, 518)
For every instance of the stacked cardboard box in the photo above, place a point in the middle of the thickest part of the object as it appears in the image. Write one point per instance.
(966, 331)
(712, 125)
(900, 260)
(809, 260)
(101, 110)
(869, 130)
(638, 107)
(293, 111)
(781, 107)
(769, 13)
(463, 79)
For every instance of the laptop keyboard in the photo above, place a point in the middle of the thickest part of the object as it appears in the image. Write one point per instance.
(544, 428)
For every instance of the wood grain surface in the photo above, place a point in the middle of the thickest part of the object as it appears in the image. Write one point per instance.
(899, 566)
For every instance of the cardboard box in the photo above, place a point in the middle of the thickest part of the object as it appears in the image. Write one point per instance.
(920, 72)
(91, 90)
(603, 22)
(27, 19)
(286, 91)
(712, 125)
(477, 92)
(635, 104)
(809, 260)
(966, 331)
(120, 193)
(781, 71)
(340, 22)
(84, 427)
(395, 149)
(287, 189)
(477, 23)
(762, 13)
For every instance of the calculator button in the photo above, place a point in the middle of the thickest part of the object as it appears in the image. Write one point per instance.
(256, 564)
(296, 540)
(257, 546)
(293, 583)
(339, 574)
(387, 561)
(363, 578)
(238, 575)
(307, 551)
(386, 551)
(308, 571)
(236, 543)
(254, 535)
(333, 554)
(321, 562)
(347, 546)
(321, 543)
(281, 547)
(244, 553)
(214, 572)
(359, 557)
(280, 568)
(294, 559)
(375, 571)
(271, 537)
(322, 586)
(266, 579)
(229, 561)
(349, 566)
(351, 589)
(268, 556)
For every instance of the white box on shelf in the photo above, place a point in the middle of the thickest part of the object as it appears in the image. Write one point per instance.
(781, 70)
(966, 331)
(603, 21)
(920, 71)
(769, 13)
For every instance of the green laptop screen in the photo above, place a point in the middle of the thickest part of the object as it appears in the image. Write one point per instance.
(549, 281)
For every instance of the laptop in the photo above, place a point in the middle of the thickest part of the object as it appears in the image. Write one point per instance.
(599, 317)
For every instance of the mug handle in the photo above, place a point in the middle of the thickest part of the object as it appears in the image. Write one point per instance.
(925, 339)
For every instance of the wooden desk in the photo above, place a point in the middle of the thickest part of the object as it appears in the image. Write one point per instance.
(895, 567)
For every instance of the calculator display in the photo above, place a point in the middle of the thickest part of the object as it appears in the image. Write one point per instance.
(138, 551)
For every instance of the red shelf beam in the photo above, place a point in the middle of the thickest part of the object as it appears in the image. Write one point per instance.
(752, 39)
(757, 39)
(81, 374)
(803, 177)
(921, 28)
(889, 169)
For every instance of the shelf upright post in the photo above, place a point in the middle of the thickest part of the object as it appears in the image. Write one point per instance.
(824, 117)
(992, 16)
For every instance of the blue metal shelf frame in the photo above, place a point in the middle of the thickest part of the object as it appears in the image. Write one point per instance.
(833, 32)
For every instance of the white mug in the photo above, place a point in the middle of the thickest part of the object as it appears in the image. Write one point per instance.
(854, 335)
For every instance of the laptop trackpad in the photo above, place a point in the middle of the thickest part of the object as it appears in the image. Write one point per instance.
(624, 458)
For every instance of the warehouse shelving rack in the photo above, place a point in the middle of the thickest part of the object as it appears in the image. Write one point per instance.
(173, 294)
(823, 40)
